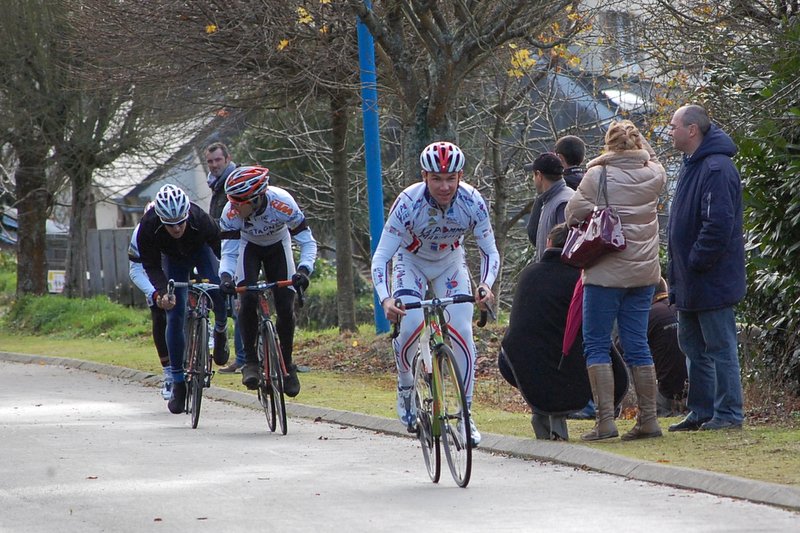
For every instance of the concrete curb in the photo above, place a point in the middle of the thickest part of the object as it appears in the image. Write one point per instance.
(558, 452)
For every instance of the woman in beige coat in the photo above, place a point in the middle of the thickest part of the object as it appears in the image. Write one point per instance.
(620, 285)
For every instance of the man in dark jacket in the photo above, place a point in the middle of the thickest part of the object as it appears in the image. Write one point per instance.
(572, 151)
(218, 159)
(220, 166)
(707, 269)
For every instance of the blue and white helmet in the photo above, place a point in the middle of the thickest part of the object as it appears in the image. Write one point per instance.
(172, 204)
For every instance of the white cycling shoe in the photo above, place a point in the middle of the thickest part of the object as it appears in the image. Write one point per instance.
(406, 409)
(166, 386)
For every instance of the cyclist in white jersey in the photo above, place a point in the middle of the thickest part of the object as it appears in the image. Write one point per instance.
(257, 226)
(423, 236)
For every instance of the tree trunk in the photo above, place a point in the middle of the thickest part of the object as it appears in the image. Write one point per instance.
(345, 299)
(75, 286)
(34, 202)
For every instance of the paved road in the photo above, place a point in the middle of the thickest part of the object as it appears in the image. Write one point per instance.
(87, 452)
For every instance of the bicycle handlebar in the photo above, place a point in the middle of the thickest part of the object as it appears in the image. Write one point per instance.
(262, 286)
(443, 302)
(202, 284)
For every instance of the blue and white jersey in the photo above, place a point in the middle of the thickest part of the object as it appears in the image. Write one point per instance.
(279, 218)
(417, 224)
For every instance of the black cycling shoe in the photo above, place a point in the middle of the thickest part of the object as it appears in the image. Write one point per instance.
(177, 403)
(221, 353)
(250, 373)
(291, 384)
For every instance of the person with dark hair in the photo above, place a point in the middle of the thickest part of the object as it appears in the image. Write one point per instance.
(553, 195)
(572, 151)
(662, 336)
(707, 269)
(220, 166)
(530, 353)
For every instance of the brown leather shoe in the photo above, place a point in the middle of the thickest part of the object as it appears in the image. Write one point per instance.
(232, 368)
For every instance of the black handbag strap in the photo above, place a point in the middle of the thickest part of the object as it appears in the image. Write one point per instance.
(602, 188)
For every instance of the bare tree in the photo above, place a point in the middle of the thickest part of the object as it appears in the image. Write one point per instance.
(430, 48)
(29, 97)
(273, 54)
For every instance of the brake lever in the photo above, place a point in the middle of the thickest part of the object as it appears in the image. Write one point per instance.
(396, 325)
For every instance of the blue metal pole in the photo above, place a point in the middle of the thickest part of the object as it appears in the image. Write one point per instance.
(372, 149)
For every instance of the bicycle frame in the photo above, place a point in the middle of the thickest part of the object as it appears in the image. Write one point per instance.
(198, 306)
(264, 316)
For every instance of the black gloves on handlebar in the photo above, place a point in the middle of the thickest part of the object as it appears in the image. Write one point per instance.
(300, 278)
(226, 285)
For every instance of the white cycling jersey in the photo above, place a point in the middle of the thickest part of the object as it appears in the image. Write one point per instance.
(278, 219)
(417, 224)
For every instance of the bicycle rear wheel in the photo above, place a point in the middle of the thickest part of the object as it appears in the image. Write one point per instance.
(276, 374)
(265, 395)
(423, 400)
(454, 417)
(197, 375)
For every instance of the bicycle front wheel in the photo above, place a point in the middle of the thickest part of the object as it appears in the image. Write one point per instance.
(265, 395)
(454, 417)
(423, 401)
(276, 374)
(197, 375)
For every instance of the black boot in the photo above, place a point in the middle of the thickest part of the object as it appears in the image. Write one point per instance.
(291, 384)
(250, 375)
(221, 354)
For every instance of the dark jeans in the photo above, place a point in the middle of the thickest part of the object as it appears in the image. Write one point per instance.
(708, 338)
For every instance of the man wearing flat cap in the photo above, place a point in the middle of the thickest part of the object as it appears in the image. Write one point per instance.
(552, 196)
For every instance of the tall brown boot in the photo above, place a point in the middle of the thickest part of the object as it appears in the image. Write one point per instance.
(644, 380)
(602, 379)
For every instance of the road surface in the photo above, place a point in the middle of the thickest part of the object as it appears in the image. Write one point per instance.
(84, 452)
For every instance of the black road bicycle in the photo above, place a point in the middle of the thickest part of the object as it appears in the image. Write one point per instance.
(272, 368)
(196, 358)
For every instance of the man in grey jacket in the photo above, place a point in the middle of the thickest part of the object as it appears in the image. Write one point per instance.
(553, 195)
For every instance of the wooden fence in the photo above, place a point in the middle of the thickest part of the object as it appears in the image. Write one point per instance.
(107, 261)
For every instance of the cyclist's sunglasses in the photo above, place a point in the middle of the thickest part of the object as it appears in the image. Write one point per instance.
(236, 201)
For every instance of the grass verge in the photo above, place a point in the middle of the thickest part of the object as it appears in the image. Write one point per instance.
(354, 373)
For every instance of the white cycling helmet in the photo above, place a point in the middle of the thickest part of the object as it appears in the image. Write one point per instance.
(246, 183)
(442, 157)
(172, 205)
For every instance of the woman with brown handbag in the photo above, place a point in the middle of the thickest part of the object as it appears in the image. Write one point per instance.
(619, 286)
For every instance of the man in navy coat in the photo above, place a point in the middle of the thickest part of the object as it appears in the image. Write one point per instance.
(707, 269)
